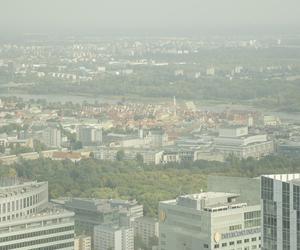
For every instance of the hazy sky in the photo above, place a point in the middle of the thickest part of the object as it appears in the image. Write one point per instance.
(149, 16)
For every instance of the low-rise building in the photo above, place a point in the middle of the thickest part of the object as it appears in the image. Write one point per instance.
(238, 142)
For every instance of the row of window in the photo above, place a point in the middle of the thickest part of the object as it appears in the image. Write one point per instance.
(252, 215)
(17, 215)
(18, 204)
(253, 223)
(238, 242)
(59, 246)
(37, 242)
(35, 234)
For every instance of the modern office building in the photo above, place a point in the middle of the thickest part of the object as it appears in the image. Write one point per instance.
(209, 221)
(237, 141)
(90, 213)
(83, 242)
(113, 237)
(280, 195)
(29, 222)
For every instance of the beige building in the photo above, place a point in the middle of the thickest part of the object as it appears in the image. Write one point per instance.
(83, 242)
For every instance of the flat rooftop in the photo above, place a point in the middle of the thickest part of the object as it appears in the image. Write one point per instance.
(208, 201)
(209, 195)
(13, 189)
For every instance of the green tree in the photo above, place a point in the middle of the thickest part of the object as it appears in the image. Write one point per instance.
(120, 155)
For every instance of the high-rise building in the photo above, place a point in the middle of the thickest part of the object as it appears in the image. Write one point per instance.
(209, 221)
(89, 136)
(29, 222)
(52, 137)
(146, 229)
(113, 237)
(83, 242)
(280, 196)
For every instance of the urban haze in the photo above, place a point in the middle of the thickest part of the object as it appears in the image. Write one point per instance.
(149, 125)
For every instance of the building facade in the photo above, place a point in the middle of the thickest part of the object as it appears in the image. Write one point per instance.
(147, 229)
(209, 221)
(89, 136)
(236, 141)
(52, 137)
(90, 213)
(113, 237)
(29, 222)
(83, 242)
(280, 197)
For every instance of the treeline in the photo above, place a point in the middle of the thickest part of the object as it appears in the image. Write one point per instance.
(280, 94)
(131, 180)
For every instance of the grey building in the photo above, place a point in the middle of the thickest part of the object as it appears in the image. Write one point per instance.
(90, 213)
(209, 221)
(89, 136)
(280, 197)
(52, 137)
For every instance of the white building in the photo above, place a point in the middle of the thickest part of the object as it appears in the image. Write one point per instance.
(113, 237)
(29, 222)
(238, 142)
(211, 220)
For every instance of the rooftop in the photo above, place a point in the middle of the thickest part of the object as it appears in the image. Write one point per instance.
(15, 188)
(208, 201)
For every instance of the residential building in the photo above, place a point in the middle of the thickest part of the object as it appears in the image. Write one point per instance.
(89, 136)
(82, 242)
(51, 136)
(113, 237)
(147, 230)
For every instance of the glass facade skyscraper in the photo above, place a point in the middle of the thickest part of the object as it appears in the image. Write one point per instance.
(280, 196)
